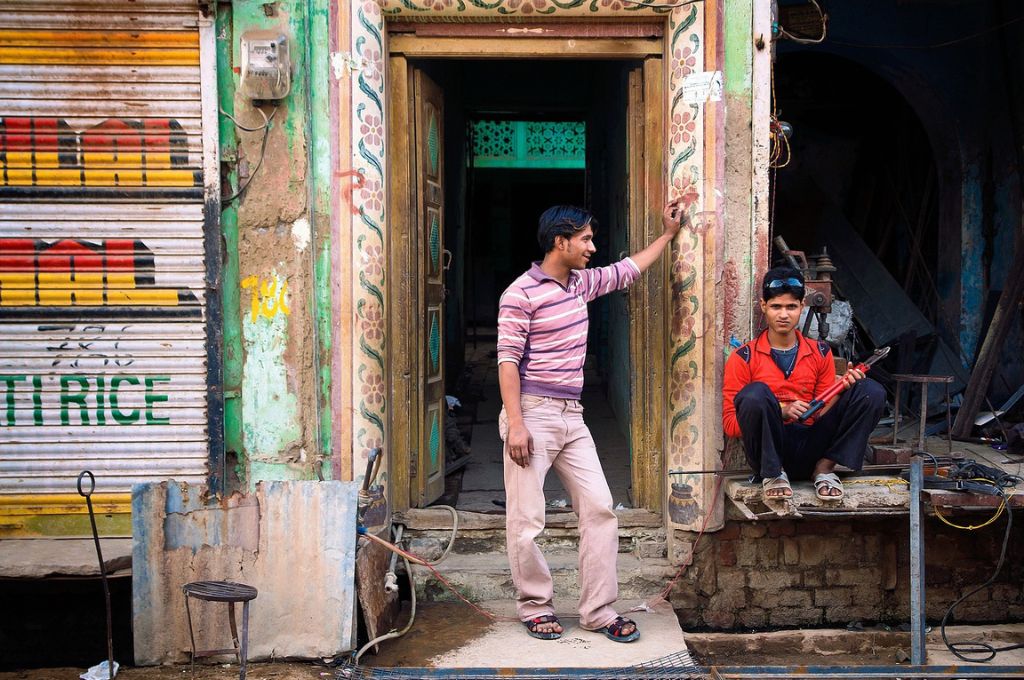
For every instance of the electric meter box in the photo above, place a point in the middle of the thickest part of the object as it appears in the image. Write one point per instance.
(266, 65)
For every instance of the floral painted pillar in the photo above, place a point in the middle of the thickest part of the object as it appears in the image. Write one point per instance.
(696, 163)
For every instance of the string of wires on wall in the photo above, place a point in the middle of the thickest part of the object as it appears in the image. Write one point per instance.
(265, 129)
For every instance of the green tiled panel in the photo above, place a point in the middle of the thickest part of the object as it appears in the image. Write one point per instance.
(435, 441)
(434, 343)
(435, 243)
(433, 142)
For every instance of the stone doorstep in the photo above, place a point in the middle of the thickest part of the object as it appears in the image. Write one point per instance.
(428, 532)
(430, 544)
(421, 519)
(486, 576)
(864, 493)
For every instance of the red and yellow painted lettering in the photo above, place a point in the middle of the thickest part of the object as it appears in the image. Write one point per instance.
(118, 153)
(74, 273)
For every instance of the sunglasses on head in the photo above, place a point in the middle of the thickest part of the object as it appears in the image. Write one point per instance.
(779, 283)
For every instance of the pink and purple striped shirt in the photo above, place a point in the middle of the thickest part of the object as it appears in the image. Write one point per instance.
(542, 326)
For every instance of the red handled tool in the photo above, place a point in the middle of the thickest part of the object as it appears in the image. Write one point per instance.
(839, 386)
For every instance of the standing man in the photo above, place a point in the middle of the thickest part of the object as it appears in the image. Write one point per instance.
(769, 383)
(542, 344)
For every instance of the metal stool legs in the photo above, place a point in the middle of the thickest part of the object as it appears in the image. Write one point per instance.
(923, 381)
(228, 593)
(191, 635)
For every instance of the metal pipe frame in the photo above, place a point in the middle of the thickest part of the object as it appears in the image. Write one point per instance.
(918, 651)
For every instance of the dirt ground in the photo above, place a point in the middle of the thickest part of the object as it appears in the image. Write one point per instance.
(441, 627)
(421, 643)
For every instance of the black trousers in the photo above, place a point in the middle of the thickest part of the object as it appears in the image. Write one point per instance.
(840, 435)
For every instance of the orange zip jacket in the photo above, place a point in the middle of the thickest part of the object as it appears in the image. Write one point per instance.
(813, 372)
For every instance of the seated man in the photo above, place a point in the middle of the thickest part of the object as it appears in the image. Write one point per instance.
(769, 383)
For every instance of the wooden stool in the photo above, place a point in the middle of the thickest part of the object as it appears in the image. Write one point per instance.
(923, 381)
(222, 591)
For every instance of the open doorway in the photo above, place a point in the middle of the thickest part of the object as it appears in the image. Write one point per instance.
(521, 136)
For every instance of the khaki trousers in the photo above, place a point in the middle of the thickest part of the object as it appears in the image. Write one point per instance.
(561, 440)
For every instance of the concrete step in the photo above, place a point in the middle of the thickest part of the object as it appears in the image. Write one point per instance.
(486, 576)
(428, 532)
(431, 544)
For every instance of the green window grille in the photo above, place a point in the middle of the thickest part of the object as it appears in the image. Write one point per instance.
(535, 144)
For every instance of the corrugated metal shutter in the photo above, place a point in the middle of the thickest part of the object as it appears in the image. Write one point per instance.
(104, 243)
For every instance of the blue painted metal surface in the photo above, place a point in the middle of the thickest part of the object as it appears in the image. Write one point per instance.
(972, 268)
(853, 672)
(714, 673)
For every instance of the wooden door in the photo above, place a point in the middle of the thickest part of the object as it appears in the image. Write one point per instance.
(428, 111)
(648, 306)
(416, 285)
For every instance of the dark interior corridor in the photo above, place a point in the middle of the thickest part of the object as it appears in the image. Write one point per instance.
(527, 136)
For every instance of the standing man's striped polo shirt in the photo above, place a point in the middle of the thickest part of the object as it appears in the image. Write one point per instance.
(542, 326)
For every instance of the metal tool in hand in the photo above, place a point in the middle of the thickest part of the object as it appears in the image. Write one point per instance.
(840, 386)
(103, 569)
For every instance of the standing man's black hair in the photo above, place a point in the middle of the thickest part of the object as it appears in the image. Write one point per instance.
(561, 220)
(780, 281)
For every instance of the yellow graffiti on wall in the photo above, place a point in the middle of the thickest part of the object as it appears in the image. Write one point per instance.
(268, 297)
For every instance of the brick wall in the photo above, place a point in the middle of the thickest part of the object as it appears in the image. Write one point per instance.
(816, 572)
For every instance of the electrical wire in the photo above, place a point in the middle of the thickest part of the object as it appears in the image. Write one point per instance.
(423, 562)
(455, 532)
(808, 41)
(263, 150)
(408, 557)
(967, 649)
(972, 527)
(395, 633)
(266, 121)
(779, 142)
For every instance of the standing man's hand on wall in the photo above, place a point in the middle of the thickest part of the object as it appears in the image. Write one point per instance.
(672, 216)
(671, 219)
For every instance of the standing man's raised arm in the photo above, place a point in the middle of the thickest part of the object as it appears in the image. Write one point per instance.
(671, 218)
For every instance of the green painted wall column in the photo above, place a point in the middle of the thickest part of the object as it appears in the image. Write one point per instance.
(230, 298)
(747, 90)
(277, 422)
(318, 49)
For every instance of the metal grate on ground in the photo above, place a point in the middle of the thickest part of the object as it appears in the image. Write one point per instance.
(677, 666)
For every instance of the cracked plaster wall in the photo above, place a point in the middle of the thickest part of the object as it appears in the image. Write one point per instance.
(279, 384)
